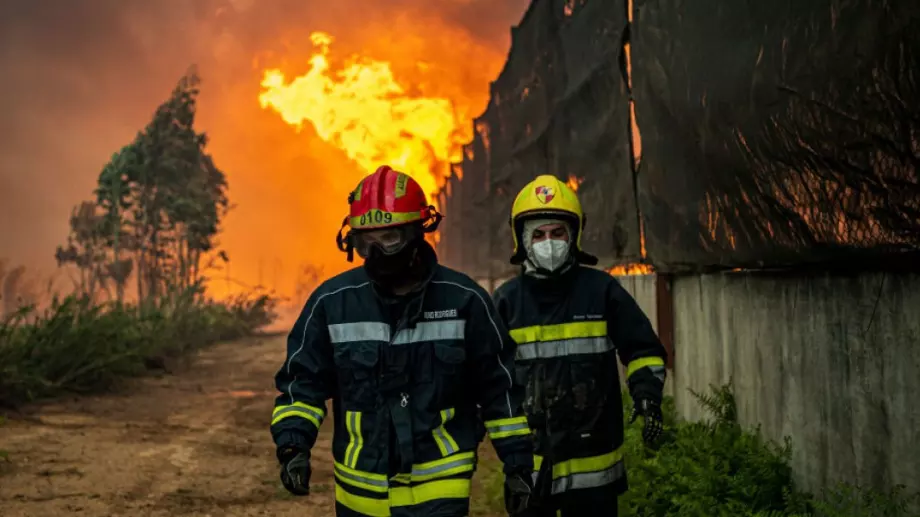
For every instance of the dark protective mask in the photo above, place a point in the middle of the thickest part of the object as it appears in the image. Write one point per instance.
(391, 270)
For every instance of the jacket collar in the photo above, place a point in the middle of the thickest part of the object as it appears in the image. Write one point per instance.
(550, 288)
(425, 269)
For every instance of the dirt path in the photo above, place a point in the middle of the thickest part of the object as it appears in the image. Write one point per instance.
(193, 443)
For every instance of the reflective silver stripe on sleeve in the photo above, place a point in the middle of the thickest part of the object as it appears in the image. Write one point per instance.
(506, 428)
(659, 372)
(563, 347)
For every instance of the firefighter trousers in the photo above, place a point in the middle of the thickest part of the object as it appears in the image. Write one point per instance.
(587, 502)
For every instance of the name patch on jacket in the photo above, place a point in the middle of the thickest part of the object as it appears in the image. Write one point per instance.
(440, 315)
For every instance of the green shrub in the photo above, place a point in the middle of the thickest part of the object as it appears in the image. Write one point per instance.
(75, 346)
(718, 469)
(713, 468)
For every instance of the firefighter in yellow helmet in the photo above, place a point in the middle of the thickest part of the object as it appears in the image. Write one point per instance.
(570, 322)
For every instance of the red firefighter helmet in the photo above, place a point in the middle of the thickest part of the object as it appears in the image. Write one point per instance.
(386, 200)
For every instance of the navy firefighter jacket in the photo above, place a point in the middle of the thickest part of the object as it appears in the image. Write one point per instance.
(569, 332)
(406, 384)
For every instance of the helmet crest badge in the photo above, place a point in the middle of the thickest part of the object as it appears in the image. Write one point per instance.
(545, 194)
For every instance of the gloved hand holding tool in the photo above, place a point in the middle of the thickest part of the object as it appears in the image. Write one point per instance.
(654, 421)
(295, 470)
(518, 493)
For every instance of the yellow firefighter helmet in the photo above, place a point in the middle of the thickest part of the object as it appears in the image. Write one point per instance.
(549, 196)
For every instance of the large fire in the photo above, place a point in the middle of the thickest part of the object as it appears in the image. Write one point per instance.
(362, 109)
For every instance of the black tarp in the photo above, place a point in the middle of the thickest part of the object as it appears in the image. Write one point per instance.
(777, 133)
(772, 133)
(559, 106)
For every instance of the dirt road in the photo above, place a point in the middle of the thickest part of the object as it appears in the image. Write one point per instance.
(192, 443)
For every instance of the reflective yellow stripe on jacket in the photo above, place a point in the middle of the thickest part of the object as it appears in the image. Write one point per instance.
(425, 477)
(445, 441)
(355, 441)
(590, 472)
(580, 337)
(507, 427)
(312, 414)
(655, 364)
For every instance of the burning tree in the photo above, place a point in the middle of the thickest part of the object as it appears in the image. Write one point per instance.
(158, 206)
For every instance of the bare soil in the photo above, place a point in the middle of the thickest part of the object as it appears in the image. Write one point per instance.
(194, 442)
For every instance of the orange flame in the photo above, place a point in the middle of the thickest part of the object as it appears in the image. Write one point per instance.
(632, 270)
(574, 182)
(364, 111)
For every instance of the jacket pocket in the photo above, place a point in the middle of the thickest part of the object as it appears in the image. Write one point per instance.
(449, 359)
(357, 368)
(445, 370)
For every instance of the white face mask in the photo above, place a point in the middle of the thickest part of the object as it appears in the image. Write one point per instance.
(550, 254)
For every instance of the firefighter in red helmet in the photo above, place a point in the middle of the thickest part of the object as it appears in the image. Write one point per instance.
(409, 351)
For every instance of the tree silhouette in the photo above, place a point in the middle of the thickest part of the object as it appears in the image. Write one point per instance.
(159, 203)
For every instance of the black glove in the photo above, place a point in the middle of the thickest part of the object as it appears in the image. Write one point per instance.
(295, 470)
(651, 413)
(518, 492)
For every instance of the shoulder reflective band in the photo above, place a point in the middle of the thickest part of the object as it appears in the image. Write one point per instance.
(591, 472)
(507, 427)
(313, 414)
(655, 364)
(355, 440)
(445, 441)
(423, 332)
(580, 337)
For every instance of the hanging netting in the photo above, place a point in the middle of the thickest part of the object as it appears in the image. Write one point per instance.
(772, 133)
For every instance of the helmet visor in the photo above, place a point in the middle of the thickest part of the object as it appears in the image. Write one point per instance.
(388, 241)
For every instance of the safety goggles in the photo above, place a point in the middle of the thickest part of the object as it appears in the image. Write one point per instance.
(388, 241)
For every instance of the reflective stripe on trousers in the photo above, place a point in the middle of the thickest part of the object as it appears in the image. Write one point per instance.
(590, 472)
(580, 337)
(373, 494)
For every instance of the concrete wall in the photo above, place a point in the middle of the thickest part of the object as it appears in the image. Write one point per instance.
(833, 363)
(643, 290)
